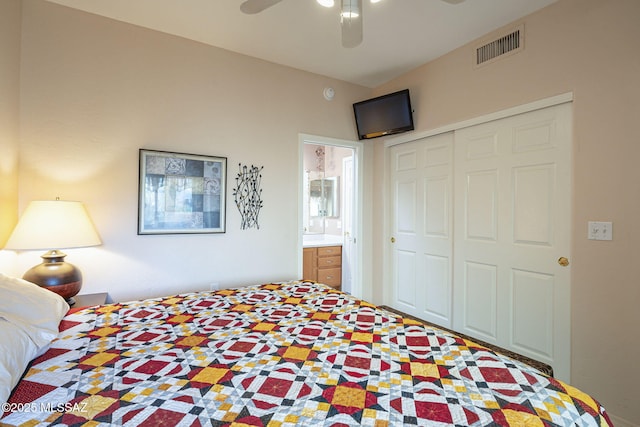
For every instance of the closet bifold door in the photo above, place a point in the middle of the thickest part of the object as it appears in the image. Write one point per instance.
(421, 232)
(512, 221)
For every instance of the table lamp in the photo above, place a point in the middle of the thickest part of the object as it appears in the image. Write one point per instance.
(54, 225)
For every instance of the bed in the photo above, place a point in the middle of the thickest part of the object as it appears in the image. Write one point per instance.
(279, 354)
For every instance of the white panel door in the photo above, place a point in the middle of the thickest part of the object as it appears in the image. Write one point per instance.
(512, 221)
(421, 184)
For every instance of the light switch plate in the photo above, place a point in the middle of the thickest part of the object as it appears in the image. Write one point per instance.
(600, 230)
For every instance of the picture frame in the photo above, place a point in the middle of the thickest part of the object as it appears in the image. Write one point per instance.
(180, 193)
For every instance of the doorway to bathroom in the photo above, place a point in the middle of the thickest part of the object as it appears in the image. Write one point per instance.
(330, 207)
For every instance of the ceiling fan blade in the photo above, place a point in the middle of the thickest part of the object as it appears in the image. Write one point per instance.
(453, 1)
(351, 22)
(256, 6)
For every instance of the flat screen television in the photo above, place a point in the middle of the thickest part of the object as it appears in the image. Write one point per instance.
(385, 115)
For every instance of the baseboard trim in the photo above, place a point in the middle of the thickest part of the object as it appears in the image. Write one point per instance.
(621, 422)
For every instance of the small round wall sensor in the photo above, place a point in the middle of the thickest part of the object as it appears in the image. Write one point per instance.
(328, 93)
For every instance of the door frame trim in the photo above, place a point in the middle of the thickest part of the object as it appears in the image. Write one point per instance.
(387, 279)
(358, 211)
(513, 111)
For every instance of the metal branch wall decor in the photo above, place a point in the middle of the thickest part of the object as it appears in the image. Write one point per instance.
(248, 195)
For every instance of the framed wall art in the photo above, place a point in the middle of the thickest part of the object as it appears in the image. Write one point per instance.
(181, 193)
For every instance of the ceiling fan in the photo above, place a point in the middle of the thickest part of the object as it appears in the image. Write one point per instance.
(350, 15)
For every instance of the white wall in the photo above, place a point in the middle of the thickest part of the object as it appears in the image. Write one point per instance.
(9, 122)
(94, 91)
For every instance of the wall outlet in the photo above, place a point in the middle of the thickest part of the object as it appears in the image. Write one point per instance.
(214, 286)
(599, 230)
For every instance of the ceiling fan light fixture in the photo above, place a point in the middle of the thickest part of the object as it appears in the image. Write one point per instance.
(326, 3)
(350, 9)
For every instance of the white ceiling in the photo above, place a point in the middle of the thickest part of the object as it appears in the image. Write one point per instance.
(399, 35)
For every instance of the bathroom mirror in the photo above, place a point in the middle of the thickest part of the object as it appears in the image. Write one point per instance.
(323, 197)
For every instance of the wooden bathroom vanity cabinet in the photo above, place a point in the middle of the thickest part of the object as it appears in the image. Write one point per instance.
(323, 264)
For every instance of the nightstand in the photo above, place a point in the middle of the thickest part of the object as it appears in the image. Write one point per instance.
(89, 300)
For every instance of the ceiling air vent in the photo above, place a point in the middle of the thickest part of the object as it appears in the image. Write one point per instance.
(509, 43)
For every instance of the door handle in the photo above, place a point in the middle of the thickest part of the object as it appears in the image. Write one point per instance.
(563, 261)
(393, 240)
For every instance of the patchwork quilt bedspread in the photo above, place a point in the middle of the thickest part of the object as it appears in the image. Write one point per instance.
(288, 354)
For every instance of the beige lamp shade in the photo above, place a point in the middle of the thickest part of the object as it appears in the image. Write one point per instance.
(53, 224)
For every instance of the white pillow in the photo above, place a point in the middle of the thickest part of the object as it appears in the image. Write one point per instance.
(16, 351)
(34, 309)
